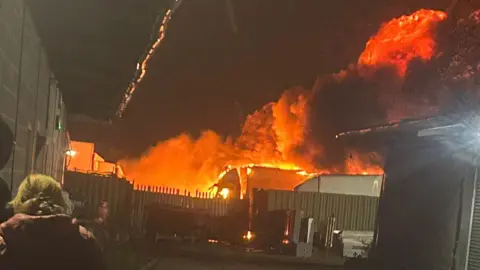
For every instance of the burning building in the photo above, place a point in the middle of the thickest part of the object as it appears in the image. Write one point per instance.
(239, 182)
(396, 76)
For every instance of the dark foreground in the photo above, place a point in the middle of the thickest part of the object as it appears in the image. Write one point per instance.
(190, 263)
(185, 257)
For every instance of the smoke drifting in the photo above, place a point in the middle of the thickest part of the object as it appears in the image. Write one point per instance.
(386, 85)
(402, 73)
(346, 101)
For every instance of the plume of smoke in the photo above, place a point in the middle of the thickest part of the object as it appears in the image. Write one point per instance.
(459, 63)
(298, 130)
(348, 100)
(361, 96)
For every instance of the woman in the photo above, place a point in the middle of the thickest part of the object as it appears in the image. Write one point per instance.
(41, 236)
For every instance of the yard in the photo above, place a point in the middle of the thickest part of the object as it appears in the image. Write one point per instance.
(177, 255)
(177, 263)
(211, 256)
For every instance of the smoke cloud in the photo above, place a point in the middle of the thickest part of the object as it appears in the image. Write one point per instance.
(425, 70)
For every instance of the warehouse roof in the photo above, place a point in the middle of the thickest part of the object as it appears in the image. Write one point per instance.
(459, 133)
(408, 126)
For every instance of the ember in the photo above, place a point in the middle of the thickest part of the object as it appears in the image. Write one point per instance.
(279, 135)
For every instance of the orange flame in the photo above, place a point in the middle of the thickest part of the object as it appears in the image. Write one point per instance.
(272, 135)
(403, 39)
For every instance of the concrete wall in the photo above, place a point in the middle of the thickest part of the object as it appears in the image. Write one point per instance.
(30, 101)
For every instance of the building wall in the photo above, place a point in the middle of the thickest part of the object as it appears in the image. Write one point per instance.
(82, 158)
(351, 212)
(363, 185)
(30, 101)
(420, 208)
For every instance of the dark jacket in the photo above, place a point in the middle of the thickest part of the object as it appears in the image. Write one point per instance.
(100, 232)
(6, 146)
(5, 197)
(47, 242)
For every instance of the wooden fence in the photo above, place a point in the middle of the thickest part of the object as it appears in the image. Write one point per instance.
(91, 189)
(127, 204)
(146, 195)
(356, 213)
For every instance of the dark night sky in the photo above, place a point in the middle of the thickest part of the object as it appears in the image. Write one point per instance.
(203, 69)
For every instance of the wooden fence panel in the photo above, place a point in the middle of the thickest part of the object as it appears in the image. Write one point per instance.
(216, 206)
(127, 204)
(91, 189)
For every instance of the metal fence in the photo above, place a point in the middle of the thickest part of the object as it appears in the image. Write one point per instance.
(352, 212)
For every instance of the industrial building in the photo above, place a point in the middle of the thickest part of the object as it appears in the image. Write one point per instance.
(48, 63)
(361, 185)
(32, 111)
(429, 211)
(81, 157)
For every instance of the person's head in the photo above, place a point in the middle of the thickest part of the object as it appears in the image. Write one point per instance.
(39, 195)
(103, 209)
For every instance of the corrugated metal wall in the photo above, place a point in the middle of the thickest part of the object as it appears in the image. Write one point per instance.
(352, 212)
(30, 101)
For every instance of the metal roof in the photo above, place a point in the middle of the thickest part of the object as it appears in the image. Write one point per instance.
(417, 126)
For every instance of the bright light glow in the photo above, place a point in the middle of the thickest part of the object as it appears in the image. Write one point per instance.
(364, 173)
(142, 65)
(213, 241)
(304, 173)
(249, 171)
(285, 241)
(224, 193)
(71, 153)
(249, 236)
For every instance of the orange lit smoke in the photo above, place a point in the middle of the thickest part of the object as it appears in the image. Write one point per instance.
(268, 138)
(403, 39)
(277, 134)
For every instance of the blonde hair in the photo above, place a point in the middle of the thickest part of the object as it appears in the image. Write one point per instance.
(39, 195)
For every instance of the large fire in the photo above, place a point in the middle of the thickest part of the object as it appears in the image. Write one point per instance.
(277, 135)
(403, 39)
